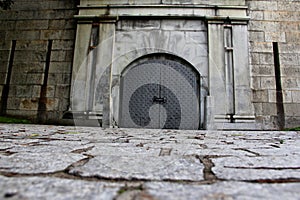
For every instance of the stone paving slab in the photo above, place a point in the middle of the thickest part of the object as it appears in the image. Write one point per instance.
(142, 168)
(256, 168)
(61, 162)
(56, 188)
(223, 190)
(36, 163)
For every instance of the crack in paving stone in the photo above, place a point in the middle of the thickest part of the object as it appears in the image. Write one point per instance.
(121, 140)
(247, 150)
(200, 136)
(79, 151)
(264, 168)
(272, 181)
(203, 146)
(74, 176)
(257, 139)
(32, 144)
(48, 137)
(6, 153)
(132, 179)
(102, 178)
(227, 142)
(5, 149)
(78, 175)
(133, 192)
(207, 171)
(134, 195)
(65, 174)
(39, 138)
(273, 145)
(59, 174)
(10, 194)
(60, 139)
(80, 163)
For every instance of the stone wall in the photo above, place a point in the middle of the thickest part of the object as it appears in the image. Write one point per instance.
(40, 63)
(37, 48)
(275, 21)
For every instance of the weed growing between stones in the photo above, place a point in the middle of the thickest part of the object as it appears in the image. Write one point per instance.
(293, 129)
(14, 120)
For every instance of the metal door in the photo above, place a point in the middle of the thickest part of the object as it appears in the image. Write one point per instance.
(160, 93)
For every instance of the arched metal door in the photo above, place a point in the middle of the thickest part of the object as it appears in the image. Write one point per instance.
(160, 93)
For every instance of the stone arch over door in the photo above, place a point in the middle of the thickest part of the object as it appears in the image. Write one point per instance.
(160, 91)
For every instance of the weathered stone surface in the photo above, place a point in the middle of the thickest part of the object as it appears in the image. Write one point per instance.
(222, 190)
(287, 96)
(32, 25)
(142, 168)
(46, 162)
(56, 188)
(292, 110)
(257, 168)
(296, 96)
(265, 17)
(31, 163)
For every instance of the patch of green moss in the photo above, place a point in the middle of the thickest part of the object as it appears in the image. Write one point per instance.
(292, 129)
(132, 188)
(12, 120)
(71, 133)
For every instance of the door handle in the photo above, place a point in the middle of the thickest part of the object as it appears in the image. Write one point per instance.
(159, 99)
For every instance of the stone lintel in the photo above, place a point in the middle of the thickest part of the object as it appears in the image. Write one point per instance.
(211, 12)
(181, 6)
(88, 19)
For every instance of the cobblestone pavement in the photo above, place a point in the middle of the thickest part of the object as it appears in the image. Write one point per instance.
(55, 162)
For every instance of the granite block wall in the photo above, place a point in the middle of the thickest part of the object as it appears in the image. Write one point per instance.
(275, 21)
(33, 25)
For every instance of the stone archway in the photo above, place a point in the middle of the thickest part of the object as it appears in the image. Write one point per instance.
(160, 91)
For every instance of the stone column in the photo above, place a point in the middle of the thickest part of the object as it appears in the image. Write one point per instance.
(91, 78)
(243, 105)
(79, 73)
(104, 70)
(209, 113)
(217, 67)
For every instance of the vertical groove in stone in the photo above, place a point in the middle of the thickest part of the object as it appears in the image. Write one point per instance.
(94, 41)
(5, 91)
(229, 72)
(42, 109)
(279, 96)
